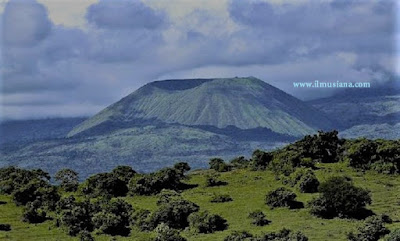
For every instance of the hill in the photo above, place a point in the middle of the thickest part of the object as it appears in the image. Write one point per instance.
(244, 103)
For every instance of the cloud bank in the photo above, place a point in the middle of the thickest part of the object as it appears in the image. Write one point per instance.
(51, 69)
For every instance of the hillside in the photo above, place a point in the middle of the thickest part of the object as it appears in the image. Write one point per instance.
(247, 189)
(245, 103)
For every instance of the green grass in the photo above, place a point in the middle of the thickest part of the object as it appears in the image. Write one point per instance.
(248, 191)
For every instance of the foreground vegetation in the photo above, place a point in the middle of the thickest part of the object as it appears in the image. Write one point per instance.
(320, 188)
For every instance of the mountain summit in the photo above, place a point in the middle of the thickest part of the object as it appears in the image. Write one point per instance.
(244, 103)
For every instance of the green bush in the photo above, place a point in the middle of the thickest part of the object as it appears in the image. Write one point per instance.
(219, 165)
(13, 178)
(239, 236)
(105, 184)
(75, 216)
(305, 179)
(33, 213)
(174, 213)
(165, 233)
(339, 198)
(372, 229)
(221, 198)
(182, 168)
(258, 218)
(204, 222)
(239, 162)
(124, 173)
(283, 235)
(85, 236)
(260, 160)
(280, 197)
(212, 180)
(68, 179)
(114, 217)
(394, 235)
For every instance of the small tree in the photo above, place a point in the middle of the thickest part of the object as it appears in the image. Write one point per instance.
(204, 222)
(239, 236)
(281, 197)
(284, 234)
(182, 168)
(68, 179)
(260, 159)
(165, 233)
(124, 173)
(218, 165)
(339, 198)
(33, 213)
(258, 218)
(372, 229)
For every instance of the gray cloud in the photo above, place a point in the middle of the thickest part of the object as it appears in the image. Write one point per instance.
(124, 14)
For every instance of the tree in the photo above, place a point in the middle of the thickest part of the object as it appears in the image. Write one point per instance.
(283, 235)
(258, 218)
(260, 159)
(281, 197)
(33, 213)
(182, 168)
(124, 173)
(85, 236)
(105, 184)
(222, 198)
(76, 216)
(218, 165)
(372, 229)
(339, 198)
(239, 236)
(68, 179)
(114, 217)
(165, 233)
(204, 222)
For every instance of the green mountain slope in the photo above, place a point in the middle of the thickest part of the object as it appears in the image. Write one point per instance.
(245, 103)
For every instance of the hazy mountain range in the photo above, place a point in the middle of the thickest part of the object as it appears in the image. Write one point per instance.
(193, 120)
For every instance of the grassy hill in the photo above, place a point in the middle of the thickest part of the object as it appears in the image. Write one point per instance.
(248, 190)
(367, 164)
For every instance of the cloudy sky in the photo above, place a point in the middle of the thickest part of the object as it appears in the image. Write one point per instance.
(75, 57)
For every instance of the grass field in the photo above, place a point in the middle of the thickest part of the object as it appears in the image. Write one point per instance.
(248, 190)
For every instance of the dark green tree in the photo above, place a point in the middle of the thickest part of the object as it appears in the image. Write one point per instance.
(68, 179)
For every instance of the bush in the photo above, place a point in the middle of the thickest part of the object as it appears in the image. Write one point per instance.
(372, 229)
(85, 236)
(167, 178)
(5, 227)
(75, 216)
(173, 213)
(124, 173)
(394, 235)
(258, 218)
(114, 217)
(68, 179)
(221, 199)
(308, 183)
(212, 180)
(219, 165)
(281, 197)
(239, 236)
(165, 233)
(239, 162)
(13, 178)
(33, 213)
(105, 184)
(283, 235)
(260, 160)
(204, 222)
(182, 168)
(339, 198)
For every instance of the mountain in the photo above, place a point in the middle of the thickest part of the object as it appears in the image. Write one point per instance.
(372, 112)
(21, 131)
(175, 120)
(244, 103)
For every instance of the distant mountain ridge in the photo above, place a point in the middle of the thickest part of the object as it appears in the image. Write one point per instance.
(244, 103)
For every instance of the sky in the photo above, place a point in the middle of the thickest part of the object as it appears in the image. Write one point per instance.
(66, 58)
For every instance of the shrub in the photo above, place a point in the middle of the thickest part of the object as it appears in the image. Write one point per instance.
(240, 162)
(165, 233)
(5, 227)
(76, 216)
(204, 222)
(68, 179)
(85, 236)
(372, 229)
(166, 195)
(167, 178)
(124, 173)
(33, 213)
(281, 197)
(260, 160)
(239, 236)
(218, 165)
(258, 218)
(212, 180)
(182, 168)
(283, 235)
(221, 199)
(308, 183)
(339, 198)
(394, 235)
(105, 184)
(114, 217)
(13, 178)
(174, 213)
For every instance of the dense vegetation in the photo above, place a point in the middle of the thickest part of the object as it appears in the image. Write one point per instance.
(321, 177)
